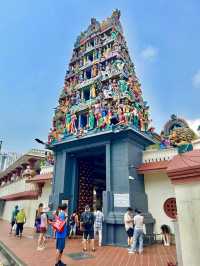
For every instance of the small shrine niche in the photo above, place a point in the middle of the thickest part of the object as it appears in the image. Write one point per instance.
(101, 90)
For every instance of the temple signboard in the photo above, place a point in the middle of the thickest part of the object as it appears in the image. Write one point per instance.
(121, 200)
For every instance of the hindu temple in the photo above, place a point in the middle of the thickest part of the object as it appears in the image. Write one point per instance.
(100, 128)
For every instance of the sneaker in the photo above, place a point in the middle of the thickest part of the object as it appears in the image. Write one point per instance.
(40, 248)
(131, 252)
(140, 251)
(60, 263)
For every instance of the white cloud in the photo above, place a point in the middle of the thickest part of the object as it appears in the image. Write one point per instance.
(149, 53)
(194, 124)
(196, 79)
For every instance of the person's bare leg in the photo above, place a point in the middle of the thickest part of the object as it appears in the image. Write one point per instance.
(58, 256)
(43, 241)
(168, 239)
(84, 244)
(165, 239)
(92, 244)
(40, 241)
(11, 229)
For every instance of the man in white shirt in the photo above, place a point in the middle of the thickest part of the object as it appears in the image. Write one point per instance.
(99, 218)
(138, 233)
(128, 222)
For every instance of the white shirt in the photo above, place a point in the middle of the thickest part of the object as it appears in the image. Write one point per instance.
(127, 221)
(138, 221)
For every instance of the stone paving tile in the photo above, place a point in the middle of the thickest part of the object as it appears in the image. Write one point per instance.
(25, 249)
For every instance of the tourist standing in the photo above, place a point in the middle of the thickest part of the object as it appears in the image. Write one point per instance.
(20, 220)
(138, 233)
(61, 236)
(38, 217)
(165, 234)
(13, 218)
(87, 226)
(129, 227)
(74, 222)
(43, 228)
(98, 224)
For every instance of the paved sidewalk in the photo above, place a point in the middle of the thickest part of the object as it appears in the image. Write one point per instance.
(25, 249)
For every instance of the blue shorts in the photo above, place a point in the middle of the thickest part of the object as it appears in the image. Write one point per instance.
(60, 244)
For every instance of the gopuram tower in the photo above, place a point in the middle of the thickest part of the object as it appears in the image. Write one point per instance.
(100, 128)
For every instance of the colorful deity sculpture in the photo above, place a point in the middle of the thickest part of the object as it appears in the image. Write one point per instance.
(73, 123)
(121, 116)
(93, 91)
(68, 122)
(135, 117)
(94, 71)
(118, 65)
(127, 112)
(123, 87)
(115, 87)
(91, 119)
(107, 91)
(78, 97)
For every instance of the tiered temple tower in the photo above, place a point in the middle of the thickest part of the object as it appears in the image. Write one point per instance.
(100, 128)
(101, 89)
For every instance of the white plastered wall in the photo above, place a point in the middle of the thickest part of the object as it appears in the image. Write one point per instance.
(158, 188)
(29, 206)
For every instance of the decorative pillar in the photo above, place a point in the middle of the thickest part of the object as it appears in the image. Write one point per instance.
(108, 170)
(184, 172)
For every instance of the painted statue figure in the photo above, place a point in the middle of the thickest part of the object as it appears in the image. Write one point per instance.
(73, 123)
(130, 82)
(107, 91)
(93, 91)
(118, 65)
(141, 121)
(121, 116)
(91, 119)
(115, 87)
(78, 97)
(135, 117)
(101, 123)
(97, 107)
(146, 118)
(127, 113)
(94, 71)
(123, 87)
(68, 122)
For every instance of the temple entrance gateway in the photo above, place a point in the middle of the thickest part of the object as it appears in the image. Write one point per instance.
(91, 181)
(102, 170)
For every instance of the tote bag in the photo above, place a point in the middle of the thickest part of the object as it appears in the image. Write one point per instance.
(58, 225)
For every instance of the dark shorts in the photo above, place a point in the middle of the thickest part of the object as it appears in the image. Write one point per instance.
(130, 232)
(12, 223)
(88, 234)
(42, 230)
(60, 244)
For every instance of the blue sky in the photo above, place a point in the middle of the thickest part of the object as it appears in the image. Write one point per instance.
(36, 42)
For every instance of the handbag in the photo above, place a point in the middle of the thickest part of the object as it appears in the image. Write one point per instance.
(59, 225)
